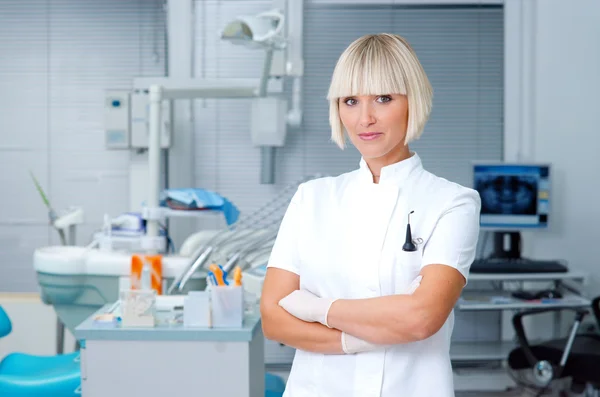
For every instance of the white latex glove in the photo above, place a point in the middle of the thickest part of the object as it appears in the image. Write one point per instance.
(414, 285)
(352, 344)
(307, 306)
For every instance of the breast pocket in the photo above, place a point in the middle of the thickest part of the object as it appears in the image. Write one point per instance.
(406, 271)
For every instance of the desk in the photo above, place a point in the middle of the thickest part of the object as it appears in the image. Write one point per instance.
(476, 355)
(170, 360)
(479, 301)
(526, 276)
(501, 300)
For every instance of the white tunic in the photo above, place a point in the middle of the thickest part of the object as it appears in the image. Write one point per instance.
(343, 236)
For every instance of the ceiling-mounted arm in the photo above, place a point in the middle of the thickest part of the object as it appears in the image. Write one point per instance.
(279, 33)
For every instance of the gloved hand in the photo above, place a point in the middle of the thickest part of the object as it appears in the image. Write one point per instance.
(307, 306)
(352, 344)
(414, 285)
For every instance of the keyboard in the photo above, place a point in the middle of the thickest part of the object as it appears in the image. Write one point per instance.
(517, 266)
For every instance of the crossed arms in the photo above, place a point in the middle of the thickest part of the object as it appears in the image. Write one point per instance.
(386, 320)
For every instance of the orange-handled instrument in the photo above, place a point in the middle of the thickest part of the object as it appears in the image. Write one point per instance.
(218, 273)
(237, 276)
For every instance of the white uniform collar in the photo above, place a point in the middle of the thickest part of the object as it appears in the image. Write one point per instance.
(395, 173)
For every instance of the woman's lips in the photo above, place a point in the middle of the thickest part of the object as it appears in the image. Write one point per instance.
(369, 136)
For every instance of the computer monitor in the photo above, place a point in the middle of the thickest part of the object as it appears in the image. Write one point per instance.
(514, 197)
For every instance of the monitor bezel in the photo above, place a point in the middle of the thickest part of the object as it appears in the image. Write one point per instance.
(515, 228)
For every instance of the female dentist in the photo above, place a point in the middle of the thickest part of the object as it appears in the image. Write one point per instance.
(368, 315)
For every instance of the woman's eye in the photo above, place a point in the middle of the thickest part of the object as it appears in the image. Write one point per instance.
(350, 101)
(384, 98)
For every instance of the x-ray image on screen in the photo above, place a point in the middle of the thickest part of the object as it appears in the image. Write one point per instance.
(507, 194)
(513, 196)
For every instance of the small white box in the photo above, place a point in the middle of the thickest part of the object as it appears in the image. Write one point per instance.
(227, 306)
(268, 125)
(138, 308)
(196, 309)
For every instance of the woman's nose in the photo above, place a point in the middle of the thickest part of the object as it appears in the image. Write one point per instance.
(367, 118)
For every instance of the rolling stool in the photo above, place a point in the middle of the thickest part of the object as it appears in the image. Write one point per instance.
(24, 375)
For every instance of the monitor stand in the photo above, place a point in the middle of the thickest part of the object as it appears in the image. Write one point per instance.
(507, 245)
(506, 258)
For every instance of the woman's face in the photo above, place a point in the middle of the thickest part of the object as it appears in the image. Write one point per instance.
(376, 124)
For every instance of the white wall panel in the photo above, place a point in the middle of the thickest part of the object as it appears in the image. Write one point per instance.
(57, 59)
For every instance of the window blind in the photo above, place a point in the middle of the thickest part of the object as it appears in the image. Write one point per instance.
(461, 49)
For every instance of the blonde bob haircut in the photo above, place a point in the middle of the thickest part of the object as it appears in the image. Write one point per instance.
(380, 64)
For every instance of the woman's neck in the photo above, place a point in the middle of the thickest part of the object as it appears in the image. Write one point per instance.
(376, 164)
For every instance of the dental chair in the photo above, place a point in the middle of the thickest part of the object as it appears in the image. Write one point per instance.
(576, 357)
(24, 375)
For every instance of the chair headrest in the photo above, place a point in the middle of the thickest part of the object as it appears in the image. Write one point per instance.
(5, 324)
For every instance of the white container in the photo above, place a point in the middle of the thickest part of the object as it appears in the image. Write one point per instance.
(227, 304)
(138, 308)
(196, 309)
